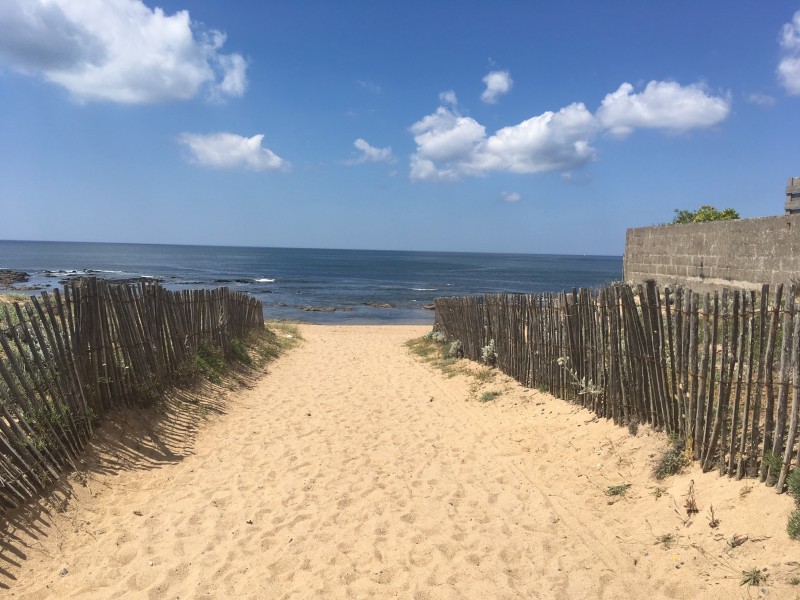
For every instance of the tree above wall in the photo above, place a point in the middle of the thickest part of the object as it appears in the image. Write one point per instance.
(704, 214)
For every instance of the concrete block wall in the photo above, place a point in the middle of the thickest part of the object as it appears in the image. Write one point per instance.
(744, 253)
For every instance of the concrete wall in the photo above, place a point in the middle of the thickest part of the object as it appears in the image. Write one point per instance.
(745, 253)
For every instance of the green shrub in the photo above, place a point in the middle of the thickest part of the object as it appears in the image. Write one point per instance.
(672, 461)
(489, 396)
(704, 214)
(793, 527)
(774, 463)
(753, 577)
(456, 350)
(793, 484)
(489, 354)
(240, 352)
(618, 490)
(209, 362)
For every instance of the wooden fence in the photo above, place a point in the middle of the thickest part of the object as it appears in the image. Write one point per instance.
(67, 359)
(721, 370)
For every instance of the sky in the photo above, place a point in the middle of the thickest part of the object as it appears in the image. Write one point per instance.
(510, 126)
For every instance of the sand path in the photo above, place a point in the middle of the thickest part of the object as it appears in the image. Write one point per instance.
(353, 470)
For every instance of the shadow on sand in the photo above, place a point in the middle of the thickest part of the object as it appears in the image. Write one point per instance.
(128, 440)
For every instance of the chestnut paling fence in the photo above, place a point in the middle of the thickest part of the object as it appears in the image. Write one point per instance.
(68, 359)
(721, 370)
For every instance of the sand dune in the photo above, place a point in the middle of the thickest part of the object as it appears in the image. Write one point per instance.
(353, 470)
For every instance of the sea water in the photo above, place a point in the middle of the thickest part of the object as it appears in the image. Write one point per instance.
(315, 285)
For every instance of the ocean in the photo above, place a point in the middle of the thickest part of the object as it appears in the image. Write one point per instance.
(318, 286)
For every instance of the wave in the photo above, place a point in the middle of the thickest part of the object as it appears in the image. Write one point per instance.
(81, 272)
(264, 280)
(425, 289)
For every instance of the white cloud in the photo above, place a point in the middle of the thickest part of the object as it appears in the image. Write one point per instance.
(789, 66)
(497, 84)
(371, 153)
(231, 151)
(662, 105)
(448, 97)
(548, 142)
(118, 51)
(449, 139)
(759, 99)
(451, 146)
(510, 196)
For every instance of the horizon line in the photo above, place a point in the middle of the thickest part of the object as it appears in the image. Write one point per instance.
(307, 248)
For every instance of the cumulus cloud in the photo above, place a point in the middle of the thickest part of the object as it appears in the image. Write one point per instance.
(789, 65)
(231, 151)
(118, 51)
(497, 84)
(451, 146)
(662, 105)
(510, 196)
(371, 153)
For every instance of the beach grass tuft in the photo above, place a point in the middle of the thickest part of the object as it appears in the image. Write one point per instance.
(774, 464)
(666, 540)
(489, 396)
(210, 363)
(754, 577)
(793, 483)
(793, 526)
(672, 461)
(618, 490)
(484, 375)
(254, 351)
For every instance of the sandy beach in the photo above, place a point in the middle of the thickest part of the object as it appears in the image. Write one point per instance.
(352, 469)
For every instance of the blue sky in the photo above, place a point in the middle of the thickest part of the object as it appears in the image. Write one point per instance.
(463, 126)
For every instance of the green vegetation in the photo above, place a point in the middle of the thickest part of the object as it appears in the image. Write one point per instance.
(9, 297)
(793, 527)
(484, 375)
(618, 490)
(704, 214)
(456, 349)
(774, 464)
(240, 352)
(255, 350)
(489, 354)
(754, 576)
(489, 396)
(793, 484)
(659, 491)
(666, 540)
(267, 345)
(672, 461)
(584, 387)
(433, 349)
